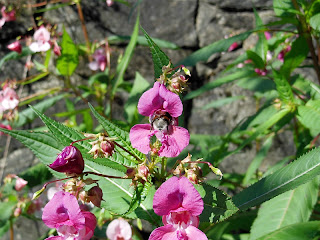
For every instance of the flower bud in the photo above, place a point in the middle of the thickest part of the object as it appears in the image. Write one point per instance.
(17, 212)
(69, 161)
(20, 184)
(15, 46)
(143, 172)
(95, 195)
(107, 148)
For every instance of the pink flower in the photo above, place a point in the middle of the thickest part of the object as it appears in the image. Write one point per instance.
(15, 46)
(267, 35)
(42, 40)
(69, 161)
(261, 72)
(100, 60)
(8, 99)
(20, 183)
(283, 53)
(119, 229)
(4, 126)
(63, 213)
(162, 107)
(180, 205)
(56, 48)
(7, 16)
(233, 46)
(109, 3)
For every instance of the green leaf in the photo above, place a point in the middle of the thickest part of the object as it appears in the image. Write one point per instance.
(206, 52)
(218, 82)
(283, 88)
(140, 193)
(315, 22)
(256, 58)
(122, 66)
(256, 162)
(298, 231)
(6, 209)
(159, 58)
(122, 139)
(284, 8)
(261, 47)
(69, 60)
(309, 116)
(257, 84)
(217, 205)
(289, 177)
(140, 85)
(299, 51)
(291, 207)
(14, 55)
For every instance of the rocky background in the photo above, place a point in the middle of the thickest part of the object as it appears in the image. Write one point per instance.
(191, 24)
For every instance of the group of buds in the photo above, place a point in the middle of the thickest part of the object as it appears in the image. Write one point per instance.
(192, 170)
(174, 78)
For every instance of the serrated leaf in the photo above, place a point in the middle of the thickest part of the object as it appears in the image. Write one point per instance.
(309, 116)
(261, 47)
(122, 139)
(206, 52)
(288, 208)
(299, 51)
(122, 66)
(159, 58)
(284, 8)
(283, 88)
(289, 177)
(298, 231)
(218, 82)
(68, 60)
(217, 205)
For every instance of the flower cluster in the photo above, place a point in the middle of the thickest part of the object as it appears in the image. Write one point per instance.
(180, 205)
(163, 108)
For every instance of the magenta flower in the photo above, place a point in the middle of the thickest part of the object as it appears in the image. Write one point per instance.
(119, 229)
(42, 40)
(63, 213)
(162, 107)
(7, 16)
(69, 161)
(180, 205)
(15, 46)
(100, 60)
(283, 53)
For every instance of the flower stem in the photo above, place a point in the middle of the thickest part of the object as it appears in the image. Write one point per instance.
(103, 175)
(127, 151)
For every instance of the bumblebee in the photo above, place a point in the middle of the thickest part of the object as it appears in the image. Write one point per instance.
(161, 122)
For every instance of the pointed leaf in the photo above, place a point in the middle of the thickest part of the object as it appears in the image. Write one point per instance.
(262, 45)
(68, 60)
(206, 52)
(298, 231)
(217, 205)
(159, 58)
(288, 208)
(309, 116)
(289, 177)
(122, 139)
(283, 88)
(256, 59)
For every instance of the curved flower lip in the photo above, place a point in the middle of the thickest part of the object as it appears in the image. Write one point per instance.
(63, 209)
(177, 194)
(69, 161)
(160, 98)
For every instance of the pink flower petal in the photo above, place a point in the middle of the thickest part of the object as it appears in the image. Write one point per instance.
(195, 233)
(167, 232)
(177, 194)
(173, 142)
(171, 102)
(140, 135)
(63, 209)
(150, 101)
(90, 224)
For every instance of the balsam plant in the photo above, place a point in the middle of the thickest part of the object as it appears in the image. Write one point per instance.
(128, 171)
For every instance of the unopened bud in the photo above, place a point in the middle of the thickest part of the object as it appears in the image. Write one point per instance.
(186, 71)
(17, 212)
(95, 195)
(143, 172)
(216, 171)
(107, 148)
(38, 193)
(20, 183)
(69, 161)
(15, 46)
